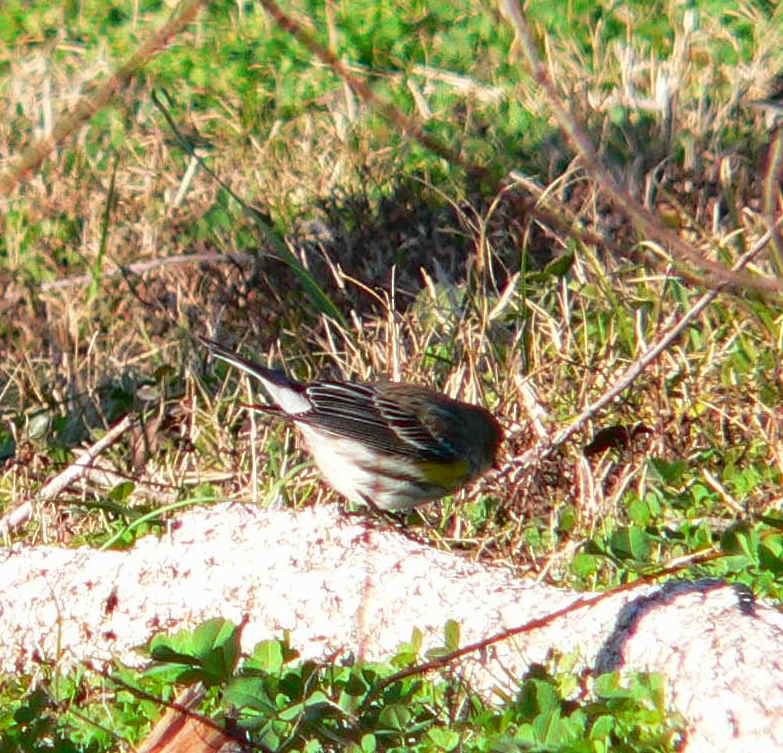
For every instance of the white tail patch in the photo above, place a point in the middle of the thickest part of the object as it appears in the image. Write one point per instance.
(290, 400)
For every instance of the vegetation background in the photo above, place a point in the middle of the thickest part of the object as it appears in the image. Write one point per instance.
(387, 191)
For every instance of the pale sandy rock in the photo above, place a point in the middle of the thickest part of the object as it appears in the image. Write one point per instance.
(342, 588)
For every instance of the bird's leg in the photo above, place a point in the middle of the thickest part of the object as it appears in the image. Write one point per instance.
(396, 518)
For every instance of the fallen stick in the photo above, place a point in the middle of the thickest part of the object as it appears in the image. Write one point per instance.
(21, 514)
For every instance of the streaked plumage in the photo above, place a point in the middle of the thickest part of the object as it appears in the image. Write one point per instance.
(391, 444)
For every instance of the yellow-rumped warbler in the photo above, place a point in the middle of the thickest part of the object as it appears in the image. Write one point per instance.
(390, 445)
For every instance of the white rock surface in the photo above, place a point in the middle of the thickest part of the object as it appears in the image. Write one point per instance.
(341, 587)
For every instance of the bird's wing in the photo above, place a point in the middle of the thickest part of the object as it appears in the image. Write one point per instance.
(358, 412)
(419, 423)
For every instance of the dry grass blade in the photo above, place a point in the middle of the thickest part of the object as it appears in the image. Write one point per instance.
(773, 180)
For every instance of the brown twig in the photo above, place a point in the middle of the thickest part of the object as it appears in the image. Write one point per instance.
(17, 517)
(139, 268)
(715, 274)
(408, 125)
(556, 214)
(88, 105)
(666, 338)
(539, 622)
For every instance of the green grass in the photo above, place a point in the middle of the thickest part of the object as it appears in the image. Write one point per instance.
(279, 703)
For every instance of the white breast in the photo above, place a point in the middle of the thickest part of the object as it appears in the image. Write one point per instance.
(352, 470)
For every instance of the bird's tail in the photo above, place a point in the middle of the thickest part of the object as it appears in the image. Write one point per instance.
(287, 393)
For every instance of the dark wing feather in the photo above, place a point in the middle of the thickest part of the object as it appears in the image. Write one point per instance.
(358, 412)
(416, 426)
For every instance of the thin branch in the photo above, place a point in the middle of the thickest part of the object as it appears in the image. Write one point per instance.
(88, 105)
(17, 517)
(405, 123)
(445, 660)
(558, 215)
(139, 268)
(666, 338)
(715, 274)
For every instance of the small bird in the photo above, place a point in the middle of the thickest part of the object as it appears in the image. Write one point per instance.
(389, 445)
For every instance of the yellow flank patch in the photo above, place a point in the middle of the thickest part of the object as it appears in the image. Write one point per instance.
(446, 475)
